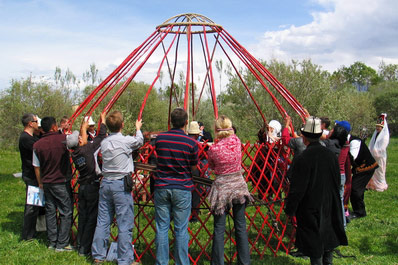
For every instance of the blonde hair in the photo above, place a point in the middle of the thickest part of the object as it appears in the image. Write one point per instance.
(223, 126)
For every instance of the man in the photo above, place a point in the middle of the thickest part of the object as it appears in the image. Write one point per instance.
(83, 156)
(26, 141)
(314, 198)
(53, 173)
(363, 167)
(325, 123)
(91, 129)
(115, 191)
(177, 157)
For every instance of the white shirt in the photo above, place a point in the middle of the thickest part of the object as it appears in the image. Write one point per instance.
(116, 152)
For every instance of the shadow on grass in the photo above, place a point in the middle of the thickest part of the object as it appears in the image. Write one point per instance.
(387, 248)
(14, 223)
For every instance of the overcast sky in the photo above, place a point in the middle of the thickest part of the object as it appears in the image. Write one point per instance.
(38, 35)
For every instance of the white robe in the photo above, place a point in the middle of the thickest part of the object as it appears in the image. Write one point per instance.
(378, 148)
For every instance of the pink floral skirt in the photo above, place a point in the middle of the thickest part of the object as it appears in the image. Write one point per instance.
(226, 190)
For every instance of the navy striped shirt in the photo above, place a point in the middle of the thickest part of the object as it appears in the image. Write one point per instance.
(176, 153)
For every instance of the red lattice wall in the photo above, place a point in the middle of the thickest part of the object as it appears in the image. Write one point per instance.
(267, 226)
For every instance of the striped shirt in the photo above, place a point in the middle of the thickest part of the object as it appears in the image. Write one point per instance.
(176, 153)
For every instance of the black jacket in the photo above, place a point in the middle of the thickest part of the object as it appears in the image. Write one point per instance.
(315, 200)
(84, 160)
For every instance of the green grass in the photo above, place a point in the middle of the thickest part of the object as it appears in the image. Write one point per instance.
(372, 240)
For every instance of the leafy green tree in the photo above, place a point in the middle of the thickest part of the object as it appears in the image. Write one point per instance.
(388, 72)
(26, 96)
(358, 74)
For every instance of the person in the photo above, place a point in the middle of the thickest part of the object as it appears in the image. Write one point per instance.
(205, 135)
(314, 198)
(91, 132)
(262, 174)
(177, 158)
(274, 129)
(53, 172)
(363, 166)
(338, 143)
(63, 124)
(325, 123)
(194, 132)
(291, 139)
(378, 147)
(26, 140)
(115, 190)
(229, 190)
(84, 159)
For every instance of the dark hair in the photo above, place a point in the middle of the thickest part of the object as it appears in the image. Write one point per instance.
(262, 134)
(114, 121)
(178, 118)
(326, 121)
(27, 118)
(64, 119)
(47, 123)
(339, 133)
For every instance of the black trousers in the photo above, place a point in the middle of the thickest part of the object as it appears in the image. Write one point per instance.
(326, 259)
(242, 243)
(359, 182)
(30, 214)
(58, 197)
(88, 211)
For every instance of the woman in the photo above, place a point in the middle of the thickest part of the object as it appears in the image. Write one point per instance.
(229, 190)
(339, 134)
(378, 147)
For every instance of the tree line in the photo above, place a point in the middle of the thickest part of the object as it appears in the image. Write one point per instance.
(357, 93)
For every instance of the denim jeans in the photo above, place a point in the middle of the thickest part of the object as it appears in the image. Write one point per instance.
(88, 211)
(342, 197)
(114, 200)
(242, 242)
(58, 197)
(175, 203)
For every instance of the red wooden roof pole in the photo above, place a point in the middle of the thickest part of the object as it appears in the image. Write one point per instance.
(186, 96)
(244, 83)
(244, 60)
(282, 90)
(207, 79)
(213, 92)
(192, 82)
(154, 81)
(128, 81)
(84, 104)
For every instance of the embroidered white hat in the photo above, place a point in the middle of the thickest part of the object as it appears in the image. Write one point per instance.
(312, 127)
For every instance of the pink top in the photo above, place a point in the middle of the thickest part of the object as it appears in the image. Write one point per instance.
(225, 156)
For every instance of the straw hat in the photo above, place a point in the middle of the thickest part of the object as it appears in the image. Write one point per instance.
(194, 128)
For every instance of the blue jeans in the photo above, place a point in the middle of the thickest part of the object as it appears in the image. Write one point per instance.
(114, 200)
(241, 237)
(342, 183)
(175, 203)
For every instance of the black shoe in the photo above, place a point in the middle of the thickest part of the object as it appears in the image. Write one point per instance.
(355, 216)
(193, 219)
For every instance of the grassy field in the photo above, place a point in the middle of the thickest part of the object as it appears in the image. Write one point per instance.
(372, 240)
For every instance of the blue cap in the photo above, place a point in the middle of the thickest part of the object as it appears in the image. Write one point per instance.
(345, 124)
